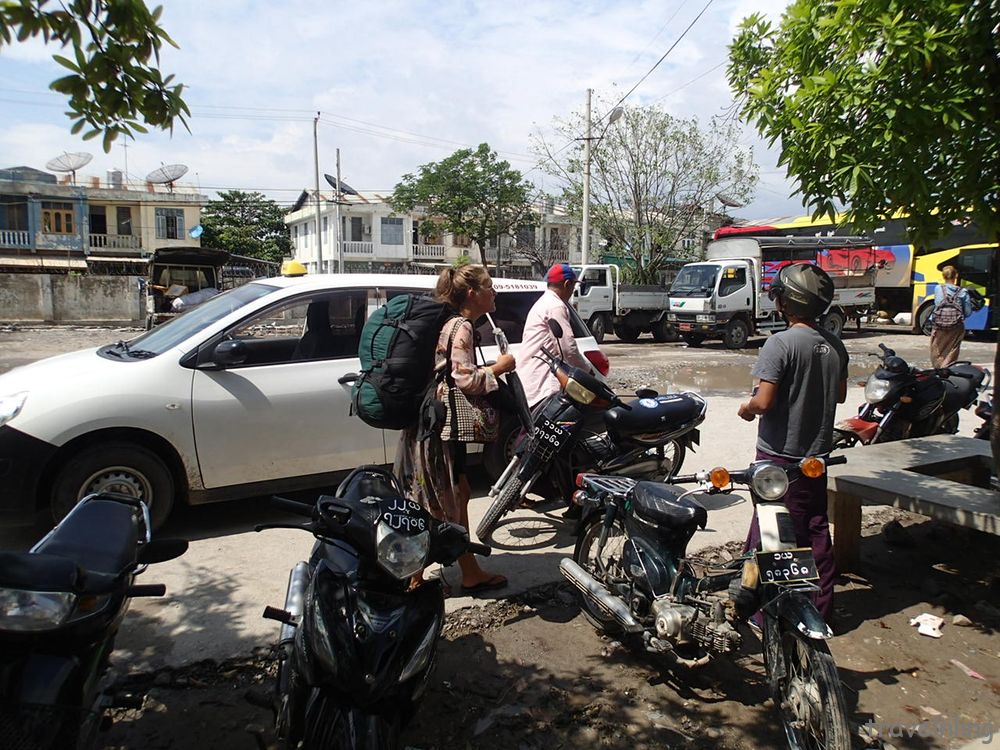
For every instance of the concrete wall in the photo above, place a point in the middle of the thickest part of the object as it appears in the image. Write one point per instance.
(63, 298)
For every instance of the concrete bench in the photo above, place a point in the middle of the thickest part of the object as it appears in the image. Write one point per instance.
(942, 476)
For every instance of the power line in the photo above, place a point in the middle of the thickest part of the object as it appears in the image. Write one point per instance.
(657, 34)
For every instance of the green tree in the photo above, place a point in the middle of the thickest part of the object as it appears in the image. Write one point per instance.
(471, 192)
(653, 182)
(114, 80)
(883, 106)
(247, 224)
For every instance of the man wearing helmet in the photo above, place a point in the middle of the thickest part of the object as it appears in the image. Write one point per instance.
(802, 374)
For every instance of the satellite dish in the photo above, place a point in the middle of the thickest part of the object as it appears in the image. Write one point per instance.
(166, 175)
(344, 187)
(69, 163)
(196, 231)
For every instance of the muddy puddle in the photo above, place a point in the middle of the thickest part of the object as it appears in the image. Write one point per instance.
(731, 379)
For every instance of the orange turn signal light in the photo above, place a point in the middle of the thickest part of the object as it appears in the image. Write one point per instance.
(906, 399)
(813, 467)
(719, 477)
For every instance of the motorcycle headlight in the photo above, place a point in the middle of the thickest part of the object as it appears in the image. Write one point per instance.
(32, 611)
(876, 389)
(402, 556)
(578, 393)
(10, 406)
(769, 482)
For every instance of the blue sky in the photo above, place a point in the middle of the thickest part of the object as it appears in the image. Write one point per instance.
(398, 83)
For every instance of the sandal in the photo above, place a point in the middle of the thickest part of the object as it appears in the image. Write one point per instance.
(492, 583)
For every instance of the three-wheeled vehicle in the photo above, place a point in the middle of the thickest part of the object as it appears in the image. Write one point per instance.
(179, 278)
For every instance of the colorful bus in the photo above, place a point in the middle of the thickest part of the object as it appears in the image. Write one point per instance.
(906, 276)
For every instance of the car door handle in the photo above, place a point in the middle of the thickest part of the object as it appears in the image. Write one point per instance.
(349, 378)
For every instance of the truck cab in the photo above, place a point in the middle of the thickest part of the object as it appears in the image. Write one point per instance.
(605, 303)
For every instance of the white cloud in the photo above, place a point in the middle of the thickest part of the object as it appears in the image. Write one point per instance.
(461, 71)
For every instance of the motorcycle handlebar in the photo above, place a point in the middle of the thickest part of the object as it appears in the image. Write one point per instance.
(834, 460)
(293, 506)
(480, 549)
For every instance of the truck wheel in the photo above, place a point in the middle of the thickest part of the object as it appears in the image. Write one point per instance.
(663, 332)
(626, 333)
(115, 467)
(598, 327)
(736, 335)
(692, 339)
(833, 322)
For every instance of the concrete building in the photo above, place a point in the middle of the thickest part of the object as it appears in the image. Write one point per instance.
(51, 223)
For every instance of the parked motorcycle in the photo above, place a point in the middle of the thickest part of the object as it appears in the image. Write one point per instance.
(906, 402)
(646, 438)
(357, 644)
(61, 605)
(636, 581)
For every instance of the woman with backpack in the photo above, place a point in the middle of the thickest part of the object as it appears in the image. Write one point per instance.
(432, 469)
(952, 306)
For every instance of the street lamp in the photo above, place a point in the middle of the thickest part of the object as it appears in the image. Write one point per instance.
(612, 118)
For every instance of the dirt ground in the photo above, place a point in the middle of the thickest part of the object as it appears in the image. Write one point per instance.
(530, 672)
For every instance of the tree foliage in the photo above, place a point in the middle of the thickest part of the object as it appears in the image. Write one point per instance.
(471, 192)
(653, 180)
(114, 81)
(247, 224)
(881, 105)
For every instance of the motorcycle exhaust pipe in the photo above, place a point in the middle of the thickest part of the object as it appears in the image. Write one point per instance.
(593, 590)
(298, 579)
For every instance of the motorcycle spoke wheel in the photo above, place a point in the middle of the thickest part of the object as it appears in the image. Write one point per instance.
(809, 697)
(604, 566)
(503, 503)
(673, 454)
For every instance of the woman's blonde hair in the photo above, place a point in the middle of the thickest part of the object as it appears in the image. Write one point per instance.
(454, 284)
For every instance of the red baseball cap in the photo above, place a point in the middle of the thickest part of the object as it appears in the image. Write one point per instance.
(560, 272)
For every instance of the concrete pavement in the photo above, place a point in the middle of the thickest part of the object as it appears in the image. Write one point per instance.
(217, 590)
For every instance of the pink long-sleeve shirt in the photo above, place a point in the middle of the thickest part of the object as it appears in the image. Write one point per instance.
(537, 379)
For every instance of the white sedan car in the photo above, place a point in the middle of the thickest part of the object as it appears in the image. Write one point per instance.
(172, 416)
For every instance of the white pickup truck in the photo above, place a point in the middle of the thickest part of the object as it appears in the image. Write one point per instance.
(725, 296)
(630, 310)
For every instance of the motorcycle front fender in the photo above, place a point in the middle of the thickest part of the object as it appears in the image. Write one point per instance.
(41, 679)
(798, 613)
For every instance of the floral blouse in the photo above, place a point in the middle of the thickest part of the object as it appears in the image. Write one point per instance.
(472, 379)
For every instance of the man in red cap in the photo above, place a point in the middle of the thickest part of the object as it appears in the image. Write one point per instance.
(535, 376)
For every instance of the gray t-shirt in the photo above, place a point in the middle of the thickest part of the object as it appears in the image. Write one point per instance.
(808, 366)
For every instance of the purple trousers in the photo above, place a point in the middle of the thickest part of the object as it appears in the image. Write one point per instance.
(806, 503)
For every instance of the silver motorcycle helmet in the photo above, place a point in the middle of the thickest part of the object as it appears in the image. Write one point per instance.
(802, 290)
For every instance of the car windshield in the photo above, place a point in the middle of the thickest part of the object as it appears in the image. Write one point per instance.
(168, 335)
(695, 281)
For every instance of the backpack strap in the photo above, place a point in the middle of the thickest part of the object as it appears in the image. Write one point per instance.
(459, 320)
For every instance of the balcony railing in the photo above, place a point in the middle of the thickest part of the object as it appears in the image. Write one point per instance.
(115, 242)
(428, 252)
(15, 238)
(365, 249)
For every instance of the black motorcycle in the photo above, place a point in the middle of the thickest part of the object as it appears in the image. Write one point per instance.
(61, 605)
(646, 438)
(357, 644)
(637, 583)
(906, 402)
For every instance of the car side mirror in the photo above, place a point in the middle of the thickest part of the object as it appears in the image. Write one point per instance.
(556, 329)
(229, 353)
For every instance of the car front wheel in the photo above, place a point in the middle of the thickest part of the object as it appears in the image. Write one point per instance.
(115, 467)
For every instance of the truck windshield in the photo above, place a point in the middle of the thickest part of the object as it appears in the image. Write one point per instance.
(695, 281)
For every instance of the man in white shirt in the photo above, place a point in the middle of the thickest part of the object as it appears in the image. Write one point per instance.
(537, 379)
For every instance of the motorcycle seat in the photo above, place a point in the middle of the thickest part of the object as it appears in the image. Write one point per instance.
(659, 505)
(100, 536)
(30, 571)
(960, 392)
(660, 414)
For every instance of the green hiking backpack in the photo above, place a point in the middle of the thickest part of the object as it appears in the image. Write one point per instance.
(397, 360)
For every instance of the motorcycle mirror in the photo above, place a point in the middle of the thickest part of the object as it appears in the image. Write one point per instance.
(161, 550)
(896, 364)
(556, 329)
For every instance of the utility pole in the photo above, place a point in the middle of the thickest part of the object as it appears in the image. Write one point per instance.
(340, 239)
(319, 228)
(585, 240)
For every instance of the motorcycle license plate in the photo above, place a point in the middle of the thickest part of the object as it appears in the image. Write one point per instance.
(550, 435)
(787, 565)
(684, 326)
